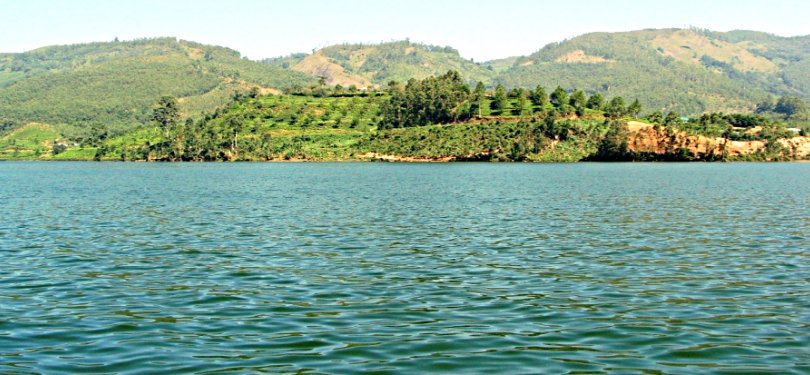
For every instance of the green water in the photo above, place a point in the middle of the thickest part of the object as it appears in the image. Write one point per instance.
(394, 268)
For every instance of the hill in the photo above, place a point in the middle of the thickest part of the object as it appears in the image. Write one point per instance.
(115, 84)
(97, 88)
(374, 65)
(688, 71)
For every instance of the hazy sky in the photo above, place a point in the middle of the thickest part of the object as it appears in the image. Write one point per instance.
(481, 30)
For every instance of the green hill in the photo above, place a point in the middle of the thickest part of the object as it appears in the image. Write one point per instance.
(374, 65)
(689, 71)
(114, 85)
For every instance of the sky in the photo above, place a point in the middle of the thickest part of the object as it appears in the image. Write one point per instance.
(481, 30)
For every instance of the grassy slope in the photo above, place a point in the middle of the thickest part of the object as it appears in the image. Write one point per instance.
(115, 84)
(28, 142)
(299, 127)
(377, 64)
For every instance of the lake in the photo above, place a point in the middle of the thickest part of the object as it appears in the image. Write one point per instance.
(404, 268)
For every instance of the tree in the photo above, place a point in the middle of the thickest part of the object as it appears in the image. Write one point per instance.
(479, 94)
(595, 102)
(559, 97)
(672, 118)
(499, 101)
(765, 106)
(539, 96)
(656, 117)
(634, 108)
(520, 103)
(236, 125)
(578, 100)
(58, 148)
(616, 108)
(394, 86)
(166, 114)
(790, 106)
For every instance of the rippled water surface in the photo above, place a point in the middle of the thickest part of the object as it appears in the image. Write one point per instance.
(395, 268)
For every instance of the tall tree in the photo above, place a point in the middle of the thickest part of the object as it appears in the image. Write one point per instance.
(499, 100)
(520, 103)
(616, 107)
(577, 100)
(479, 94)
(539, 96)
(166, 114)
(634, 108)
(236, 125)
(595, 102)
(559, 97)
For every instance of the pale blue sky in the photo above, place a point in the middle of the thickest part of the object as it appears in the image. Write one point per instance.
(481, 30)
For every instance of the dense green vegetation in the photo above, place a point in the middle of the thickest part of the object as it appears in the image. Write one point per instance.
(528, 140)
(445, 99)
(437, 118)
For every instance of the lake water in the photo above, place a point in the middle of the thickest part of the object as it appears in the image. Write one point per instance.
(404, 268)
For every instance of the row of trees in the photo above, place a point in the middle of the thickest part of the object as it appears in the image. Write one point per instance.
(447, 98)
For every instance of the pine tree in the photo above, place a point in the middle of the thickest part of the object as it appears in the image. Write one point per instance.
(634, 108)
(595, 102)
(559, 97)
(616, 108)
(577, 100)
(499, 101)
(539, 96)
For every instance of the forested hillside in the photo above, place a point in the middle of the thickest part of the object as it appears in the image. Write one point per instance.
(688, 71)
(113, 85)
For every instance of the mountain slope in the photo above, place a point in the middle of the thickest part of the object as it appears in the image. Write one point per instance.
(366, 65)
(115, 84)
(689, 71)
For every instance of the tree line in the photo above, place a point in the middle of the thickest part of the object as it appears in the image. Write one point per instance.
(447, 98)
